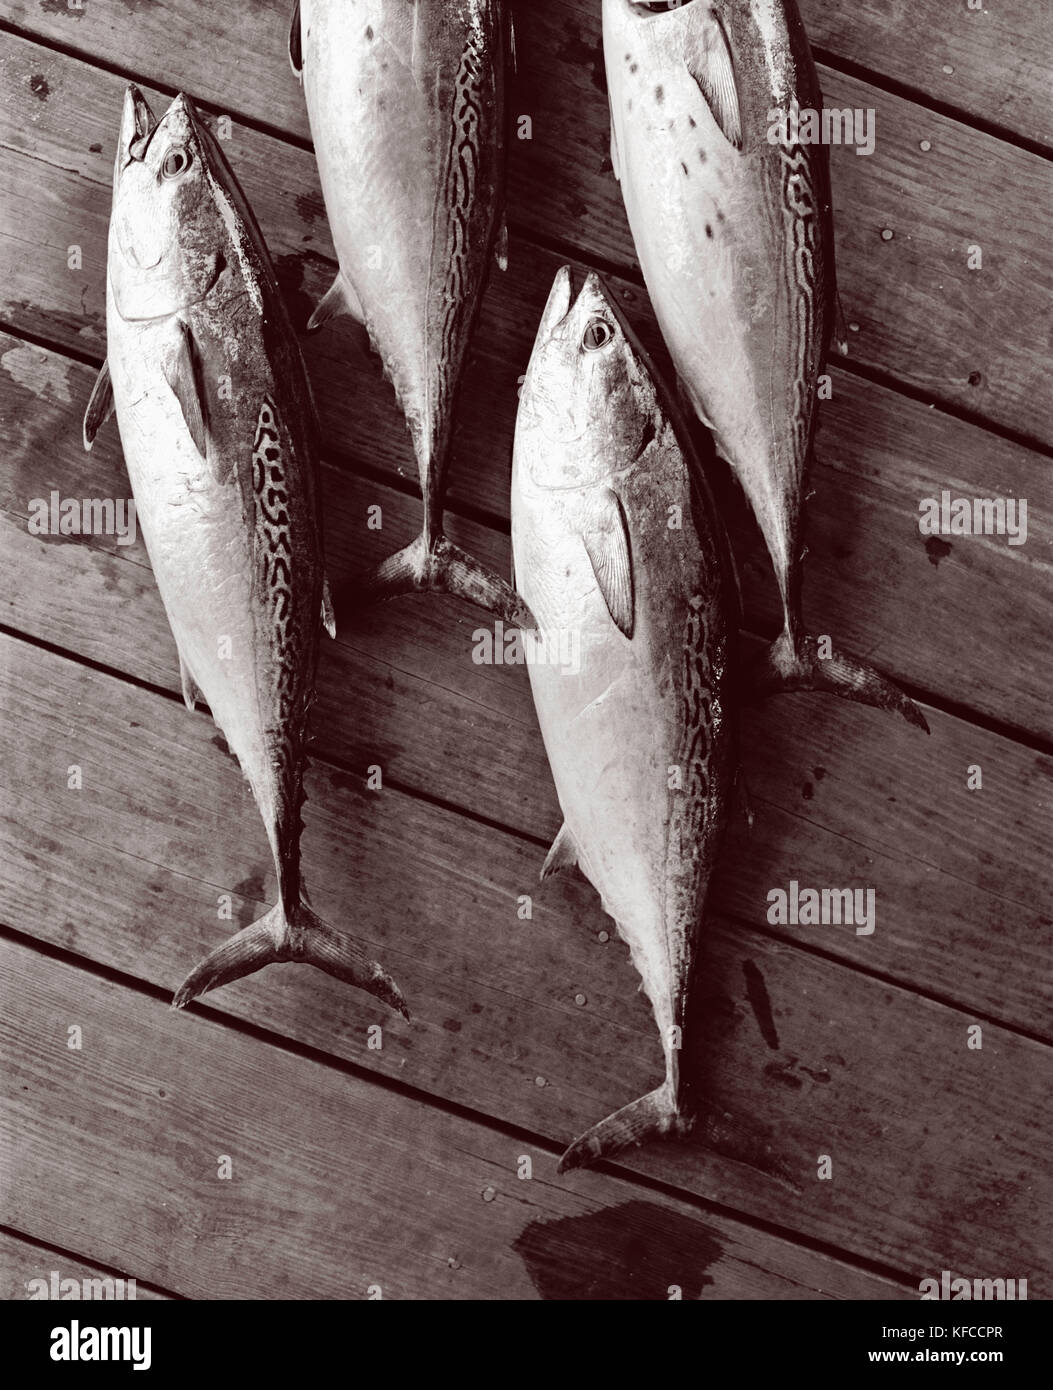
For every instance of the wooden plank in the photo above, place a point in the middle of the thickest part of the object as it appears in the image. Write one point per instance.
(961, 336)
(879, 454)
(21, 1261)
(964, 875)
(986, 62)
(336, 1186)
(939, 1150)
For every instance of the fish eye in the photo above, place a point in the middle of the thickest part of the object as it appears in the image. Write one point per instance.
(598, 333)
(175, 162)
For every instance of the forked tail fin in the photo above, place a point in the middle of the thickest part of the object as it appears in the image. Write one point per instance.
(445, 569)
(798, 665)
(301, 936)
(650, 1117)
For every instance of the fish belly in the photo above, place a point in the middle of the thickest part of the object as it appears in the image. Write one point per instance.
(200, 549)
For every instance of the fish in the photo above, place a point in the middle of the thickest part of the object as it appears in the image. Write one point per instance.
(731, 216)
(621, 553)
(406, 105)
(220, 439)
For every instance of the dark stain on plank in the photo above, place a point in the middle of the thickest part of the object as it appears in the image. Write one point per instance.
(310, 206)
(757, 994)
(635, 1250)
(38, 85)
(577, 50)
(937, 550)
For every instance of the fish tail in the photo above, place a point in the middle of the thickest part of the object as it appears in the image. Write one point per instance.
(652, 1116)
(298, 936)
(797, 661)
(445, 569)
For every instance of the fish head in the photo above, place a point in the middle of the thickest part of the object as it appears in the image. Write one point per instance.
(169, 227)
(587, 390)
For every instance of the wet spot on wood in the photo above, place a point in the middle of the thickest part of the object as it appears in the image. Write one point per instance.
(807, 791)
(757, 994)
(253, 887)
(937, 549)
(38, 85)
(818, 773)
(975, 379)
(635, 1250)
(95, 149)
(452, 1025)
(310, 206)
(46, 376)
(782, 1073)
(581, 53)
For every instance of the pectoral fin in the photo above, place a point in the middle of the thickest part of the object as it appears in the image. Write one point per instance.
(339, 298)
(191, 690)
(100, 405)
(562, 855)
(616, 163)
(610, 553)
(295, 43)
(501, 246)
(710, 64)
(185, 376)
(328, 614)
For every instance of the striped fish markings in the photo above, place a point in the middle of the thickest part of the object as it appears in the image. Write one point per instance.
(217, 423)
(734, 234)
(617, 539)
(405, 100)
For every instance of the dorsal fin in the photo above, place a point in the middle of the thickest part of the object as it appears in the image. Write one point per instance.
(100, 405)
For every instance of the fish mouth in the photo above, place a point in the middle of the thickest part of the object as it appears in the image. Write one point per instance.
(571, 290)
(648, 9)
(138, 125)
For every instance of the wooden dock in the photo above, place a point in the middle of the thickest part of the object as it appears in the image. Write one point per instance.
(354, 1168)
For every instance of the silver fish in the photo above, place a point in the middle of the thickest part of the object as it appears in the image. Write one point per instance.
(731, 216)
(622, 556)
(220, 440)
(406, 105)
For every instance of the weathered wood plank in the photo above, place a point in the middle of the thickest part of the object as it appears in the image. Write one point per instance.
(989, 62)
(961, 336)
(939, 1151)
(21, 1262)
(965, 876)
(887, 453)
(118, 1147)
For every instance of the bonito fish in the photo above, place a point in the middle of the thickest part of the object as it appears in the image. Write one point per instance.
(617, 544)
(734, 234)
(219, 437)
(406, 104)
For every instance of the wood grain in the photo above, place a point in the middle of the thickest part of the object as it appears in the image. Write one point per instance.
(21, 1262)
(961, 336)
(938, 1149)
(119, 1148)
(965, 876)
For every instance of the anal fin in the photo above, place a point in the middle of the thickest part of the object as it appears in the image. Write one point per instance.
(339, 298)
(328, 612)
(100, 405)
(191, 690)
(562, 855)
